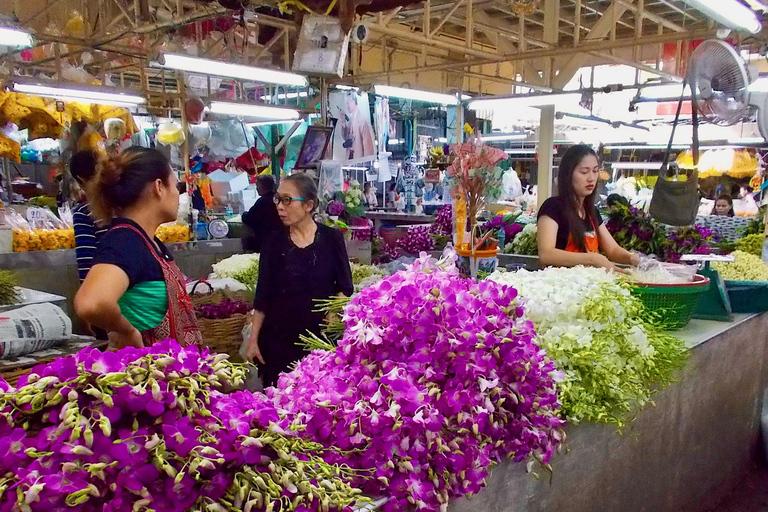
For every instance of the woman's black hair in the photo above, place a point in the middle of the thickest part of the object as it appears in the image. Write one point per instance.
(723, 197)
(82, 166)
(570, 161)
(307, 187)
(121, 179)
(267, 183)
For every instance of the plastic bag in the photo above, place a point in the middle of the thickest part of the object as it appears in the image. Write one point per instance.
(652, 271)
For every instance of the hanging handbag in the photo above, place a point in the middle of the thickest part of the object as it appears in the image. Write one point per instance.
(677, 202)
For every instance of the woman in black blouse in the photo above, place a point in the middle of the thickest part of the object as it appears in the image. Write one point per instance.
(304, 262)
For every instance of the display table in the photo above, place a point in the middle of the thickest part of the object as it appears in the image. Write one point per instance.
(398, 219)
(681, 455)
(56, 271)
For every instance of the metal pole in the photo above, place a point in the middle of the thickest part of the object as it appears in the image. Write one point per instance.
(275, 157)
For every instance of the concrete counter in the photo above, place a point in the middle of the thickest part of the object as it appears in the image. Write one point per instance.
(688, 449)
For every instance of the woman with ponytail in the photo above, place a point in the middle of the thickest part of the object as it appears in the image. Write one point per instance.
(134, 290)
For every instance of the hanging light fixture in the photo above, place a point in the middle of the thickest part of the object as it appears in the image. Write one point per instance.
(218, 68)
(731, 13)
(81, 94)
(416, 95)
(254, 111)
(11, 34)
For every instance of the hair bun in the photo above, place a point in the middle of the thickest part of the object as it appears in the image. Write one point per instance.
(110, 169)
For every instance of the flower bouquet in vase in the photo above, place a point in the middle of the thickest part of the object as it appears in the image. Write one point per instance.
(476, 178)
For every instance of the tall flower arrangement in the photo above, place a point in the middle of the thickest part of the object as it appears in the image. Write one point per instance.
(447, 381)
(476, 177)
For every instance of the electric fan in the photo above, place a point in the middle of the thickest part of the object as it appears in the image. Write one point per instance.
(721, 80)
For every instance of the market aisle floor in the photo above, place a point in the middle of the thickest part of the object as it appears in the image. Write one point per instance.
(751, 495)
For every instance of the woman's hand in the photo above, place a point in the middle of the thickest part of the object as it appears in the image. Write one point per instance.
(634, 259)
(600, 261)
(120, 340)
(252, 353)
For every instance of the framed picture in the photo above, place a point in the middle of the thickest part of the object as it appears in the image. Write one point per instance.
(314, 146)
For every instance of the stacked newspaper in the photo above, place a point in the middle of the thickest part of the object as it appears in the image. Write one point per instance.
(32, 328)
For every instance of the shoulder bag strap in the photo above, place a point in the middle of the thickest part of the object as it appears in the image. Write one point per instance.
(663, 170)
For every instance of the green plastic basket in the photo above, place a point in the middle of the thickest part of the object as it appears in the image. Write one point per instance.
(748, 296)
(674, 304)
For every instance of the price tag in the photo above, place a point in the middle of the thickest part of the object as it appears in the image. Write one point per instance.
(36, 214)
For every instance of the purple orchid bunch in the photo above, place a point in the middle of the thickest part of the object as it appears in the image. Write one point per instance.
(416, 240)
(147, 428)
(335, 208)
(689, 240)
(448, 380)
(636, 230)
(503, 222)
(443, 224)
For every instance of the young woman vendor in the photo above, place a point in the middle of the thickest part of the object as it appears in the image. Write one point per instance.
(134, 290)
(570, 230)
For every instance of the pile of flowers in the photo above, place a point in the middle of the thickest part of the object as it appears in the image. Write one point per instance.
(590, 324)
(447, 381)
(635, 230)
(525, 242)
(148, 429)
(384, 252)
(752, 244)
(416, 240)
(335, 208)
(227, 308)
(241, 267)
(363, 275)
(353, 200)
(507, 223)
(441, 229)
(689, 240)
(745, 267)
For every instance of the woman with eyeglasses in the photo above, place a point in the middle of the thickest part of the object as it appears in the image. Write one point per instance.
(304, 262)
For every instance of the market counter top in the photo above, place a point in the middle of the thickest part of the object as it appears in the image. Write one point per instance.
(56, 271)
(681, 455)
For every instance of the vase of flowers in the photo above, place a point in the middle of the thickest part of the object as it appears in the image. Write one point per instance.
(476, 178)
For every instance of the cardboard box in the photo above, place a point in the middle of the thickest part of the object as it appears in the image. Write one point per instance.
(222, 183)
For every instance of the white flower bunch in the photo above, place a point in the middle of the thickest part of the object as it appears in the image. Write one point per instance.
(589, 323)
(242, 267)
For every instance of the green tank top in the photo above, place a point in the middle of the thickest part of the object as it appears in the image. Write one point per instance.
(145, 304)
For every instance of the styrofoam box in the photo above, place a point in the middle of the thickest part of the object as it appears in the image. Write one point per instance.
(222, 183)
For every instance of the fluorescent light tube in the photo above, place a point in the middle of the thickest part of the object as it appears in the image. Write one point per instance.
(80, 95)
(415, 94)
(218, 68)
(354, 168)
(343, 87)
(731, 13)
(395, 142)
(533, 100)
(442, 139)
(257, 111)
(14, 37)
(494, 138)
(288, 96)
(666, 91)
(268, 123)
(651, 166)
(747, 140)
(520, 151)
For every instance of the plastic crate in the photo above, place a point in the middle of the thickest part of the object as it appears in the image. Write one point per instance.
(674, 304)
(748, 296)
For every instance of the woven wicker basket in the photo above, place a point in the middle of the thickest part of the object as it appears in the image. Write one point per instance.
(215, 296)
(223, 336)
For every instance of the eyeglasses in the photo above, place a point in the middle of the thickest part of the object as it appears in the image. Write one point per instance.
(286, 200)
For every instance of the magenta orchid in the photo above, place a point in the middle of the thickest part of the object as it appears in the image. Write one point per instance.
(447, 381)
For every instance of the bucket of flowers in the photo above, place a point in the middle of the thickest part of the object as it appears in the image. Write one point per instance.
(476, 178)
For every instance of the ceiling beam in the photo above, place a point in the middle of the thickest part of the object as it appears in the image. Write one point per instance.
(584, 47)
(600, 29)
